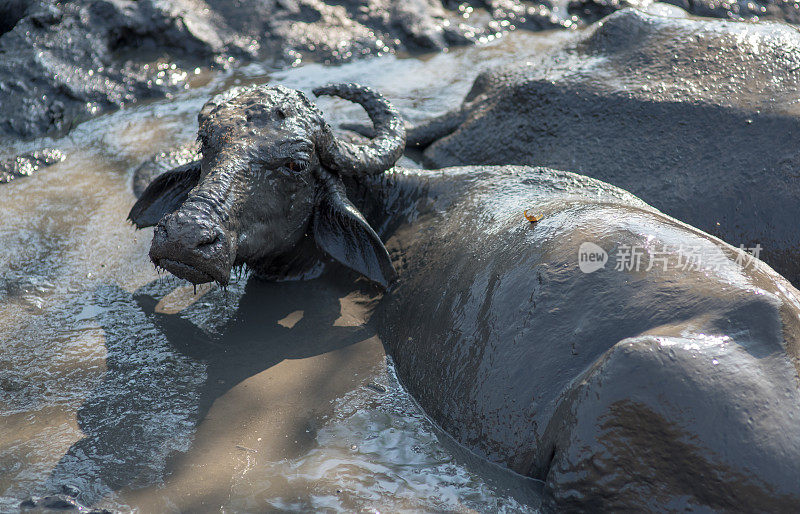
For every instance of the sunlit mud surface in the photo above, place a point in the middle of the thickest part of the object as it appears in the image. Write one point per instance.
(147, 396)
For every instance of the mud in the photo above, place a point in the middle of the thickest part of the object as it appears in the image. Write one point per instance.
(64, 62)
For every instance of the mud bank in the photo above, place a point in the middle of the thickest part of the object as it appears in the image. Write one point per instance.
(64, 62)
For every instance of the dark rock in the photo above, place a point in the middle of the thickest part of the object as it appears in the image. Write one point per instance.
(513, 14)
(11, 385)
(26, 164)
(739, 10)
(63, 62)
(11, 12)
(57, 503)
(592, 10)
(70, 490)
(376, 387)
(698, 118)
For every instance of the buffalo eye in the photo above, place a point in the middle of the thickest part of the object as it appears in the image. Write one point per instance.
(296, 165)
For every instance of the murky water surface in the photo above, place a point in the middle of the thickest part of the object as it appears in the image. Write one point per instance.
(148, 397)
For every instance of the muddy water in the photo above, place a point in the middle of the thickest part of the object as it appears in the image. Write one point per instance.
(146, 396)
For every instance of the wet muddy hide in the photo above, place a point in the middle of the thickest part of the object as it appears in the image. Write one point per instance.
(697, 118)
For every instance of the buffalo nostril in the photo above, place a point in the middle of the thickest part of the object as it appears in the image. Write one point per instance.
(208, 239)
(167, 226)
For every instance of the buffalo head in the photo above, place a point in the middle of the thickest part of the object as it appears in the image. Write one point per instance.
(270, 181)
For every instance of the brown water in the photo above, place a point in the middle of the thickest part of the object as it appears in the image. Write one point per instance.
(149, 397)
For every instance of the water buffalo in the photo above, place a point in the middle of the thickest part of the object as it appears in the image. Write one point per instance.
(697, 118)
(661, 373)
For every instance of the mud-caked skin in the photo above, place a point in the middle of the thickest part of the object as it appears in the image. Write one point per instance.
(698, 118)
(742, 10)
(644, 383)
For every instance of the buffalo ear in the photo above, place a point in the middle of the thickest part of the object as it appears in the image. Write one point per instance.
(343, 233)
(164, 194)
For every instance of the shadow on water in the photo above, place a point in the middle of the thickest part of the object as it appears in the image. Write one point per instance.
(164, 372)
(272, 395)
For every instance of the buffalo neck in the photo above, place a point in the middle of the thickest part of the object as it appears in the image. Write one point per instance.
(400, 196)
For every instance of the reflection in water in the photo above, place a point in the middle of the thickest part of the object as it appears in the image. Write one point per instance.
(142, 400)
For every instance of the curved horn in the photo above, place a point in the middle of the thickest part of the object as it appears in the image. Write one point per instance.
(381, 153)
